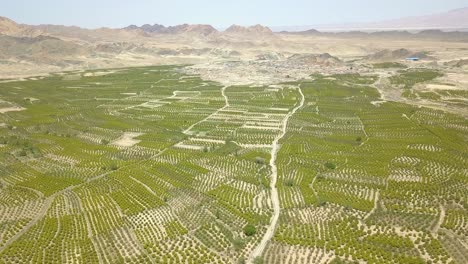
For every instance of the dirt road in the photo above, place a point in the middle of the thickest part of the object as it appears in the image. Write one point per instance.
(258, 251)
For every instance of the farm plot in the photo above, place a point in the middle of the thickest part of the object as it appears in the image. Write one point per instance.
(383, 175)
(148, 165)
(131, 165)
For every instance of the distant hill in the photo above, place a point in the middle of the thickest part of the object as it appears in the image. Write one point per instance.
(58, 45)
(452, 20)
(11, 28)
(62, 46)
(88, 35)
(40, 49)
(257, 30)
(156, 28)
(8, 26)
(434, 34)
(204, 30)
(315, 59)
(393, 55)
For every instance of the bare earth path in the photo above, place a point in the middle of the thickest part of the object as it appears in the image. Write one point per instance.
(376, 204)
(226, 105)
(258, 251)
(439, 222)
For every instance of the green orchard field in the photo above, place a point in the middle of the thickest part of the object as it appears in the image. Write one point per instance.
(151, 165)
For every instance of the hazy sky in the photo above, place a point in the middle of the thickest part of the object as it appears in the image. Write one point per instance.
(220, 13)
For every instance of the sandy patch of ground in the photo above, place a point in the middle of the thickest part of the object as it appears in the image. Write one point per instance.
(191, 147)
(272, 90)
(31, 99)
(127, 139)
(378, 103)
(153, 104)
(184, 94)
(72, 77)
(261, 127)
(76, 87)
(442, 87)
(457, 77)
(279, 109)
(208, 140)
(36, 78)
(11, 80)
(254, 146)
(11, 109)
(98, 73)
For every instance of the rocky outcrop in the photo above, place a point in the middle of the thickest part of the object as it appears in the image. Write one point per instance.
(252, 30)
(393, 55)
(324, 59)
(197, 29)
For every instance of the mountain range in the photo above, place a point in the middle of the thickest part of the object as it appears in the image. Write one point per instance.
(57, 47)
(452, 20)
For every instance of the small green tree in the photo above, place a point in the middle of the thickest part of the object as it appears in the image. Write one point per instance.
(260, 160)
(321, 203)
(238, 243)
(330, 165)
(114, 166)
(250, 230)
(289, 182)
(241, 260)
(258, 260)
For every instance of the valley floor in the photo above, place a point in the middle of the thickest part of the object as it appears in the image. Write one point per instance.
(157, 165)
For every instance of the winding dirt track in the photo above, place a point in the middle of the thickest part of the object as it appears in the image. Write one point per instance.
(258, 251)
(226, 105)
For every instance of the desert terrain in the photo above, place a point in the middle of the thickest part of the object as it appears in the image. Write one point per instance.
(189, 144)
